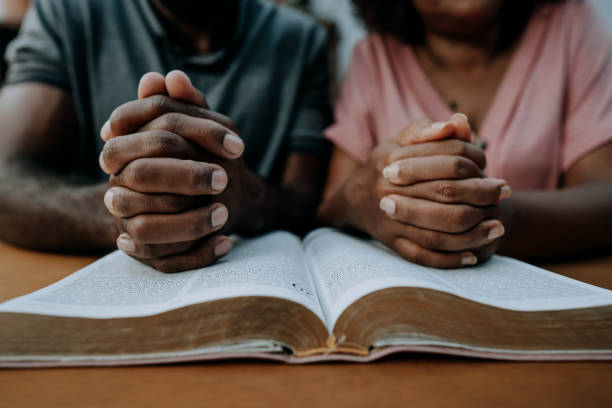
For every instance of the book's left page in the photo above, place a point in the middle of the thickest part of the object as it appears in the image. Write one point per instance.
(118, 286)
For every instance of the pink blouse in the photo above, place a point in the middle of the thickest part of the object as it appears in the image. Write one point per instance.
(553, 105)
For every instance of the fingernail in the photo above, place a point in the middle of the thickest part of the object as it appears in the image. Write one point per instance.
(219, 180)
(387, 205)
(499, 181)
(233, 144)
(218, 216)
(108, 199)
(463, 115)
(223, 247)
(125, 243)
(105, 131)
(391, 172)
(505, 192)
(469, 260)
(496, 232)
(438, 125)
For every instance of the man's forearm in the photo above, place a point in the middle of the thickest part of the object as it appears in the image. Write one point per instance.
(44, 210)
(558, 223)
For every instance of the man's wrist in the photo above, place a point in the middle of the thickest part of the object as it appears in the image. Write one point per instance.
(250, 196)
(507, 216)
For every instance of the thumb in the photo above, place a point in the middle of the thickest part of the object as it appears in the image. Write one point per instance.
(151, 83)
(179, 86)
(424, 130)
(463, 131)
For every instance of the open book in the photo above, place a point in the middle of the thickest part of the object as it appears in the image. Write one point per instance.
(329, 297)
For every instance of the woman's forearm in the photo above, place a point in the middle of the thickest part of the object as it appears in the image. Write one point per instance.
(348, 206)
(571, 221)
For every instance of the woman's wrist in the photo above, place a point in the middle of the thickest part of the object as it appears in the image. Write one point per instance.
(341, 208)
(359, 211)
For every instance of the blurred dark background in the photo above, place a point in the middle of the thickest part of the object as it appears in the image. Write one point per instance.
(336, 15)
(11, 13)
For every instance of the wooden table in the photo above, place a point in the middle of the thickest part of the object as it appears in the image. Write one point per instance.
(406, 380)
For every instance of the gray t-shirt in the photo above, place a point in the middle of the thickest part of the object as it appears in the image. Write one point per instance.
(272, 80)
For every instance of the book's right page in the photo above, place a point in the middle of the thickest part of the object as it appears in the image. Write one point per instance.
(346, 268)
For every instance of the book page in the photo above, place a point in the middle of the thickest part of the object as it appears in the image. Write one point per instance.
(230, 347)
(417, 339)
(119, 286)
(346, 268)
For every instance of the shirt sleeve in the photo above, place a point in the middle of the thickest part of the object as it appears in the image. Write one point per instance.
(36, 54)
(588, 122)
(352, 131)
(314, 110)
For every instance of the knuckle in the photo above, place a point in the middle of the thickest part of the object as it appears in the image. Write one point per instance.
(117, 117)
(164, 265)
(169, 121)
(432, 240)
(465, 168)
(147, 252)
(206, 256)
(462, 218)
(171, 202)
(159, 104)
(476, 192)
(200, 223)
(135, 173)
(199, 175)
(486, 194)
(395, 243)
(418, 256)
(161, 143)
(457, 166)
(138, 228)
(458, 148)
(214, 130)
(476, 185)
(447, 192)
(148, 203)
(121, 203)
(408, 250)
(110, 152)
(436, 261)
